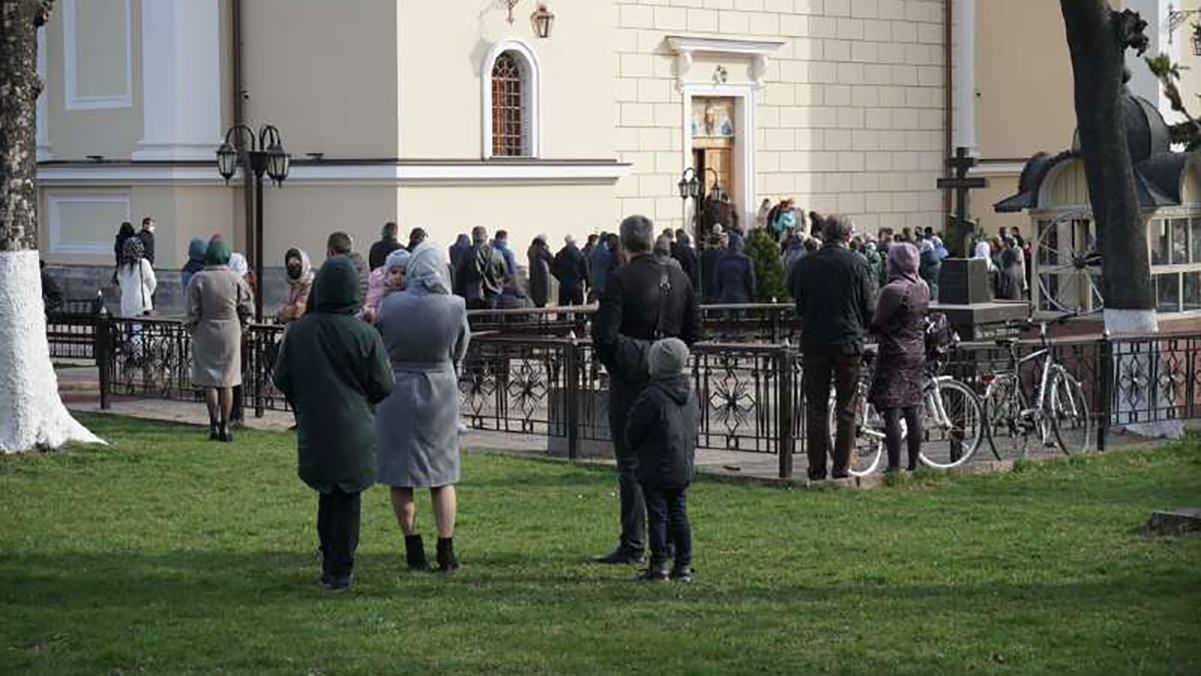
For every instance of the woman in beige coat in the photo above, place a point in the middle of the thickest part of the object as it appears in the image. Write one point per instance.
(219, 301)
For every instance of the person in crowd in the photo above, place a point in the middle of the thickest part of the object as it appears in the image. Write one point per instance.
(764, 214)
(983, 251)
(875, 264)
(416, 237)
(52, 295)
(644, 301)
(662, 251)
(501, 243)
(541, 262)
(218, 303)
(835, 301)
(896, 389)
(735, 274)
(512, 297)
(123, 233)
(387, 279)
(710, 260)
(683, 252)
(387, 244)
(300, 285)
(1011, 276)
(794, 250)
(589, 245)
(571, 269)
(785, 219)
(662, 432)
(196, 250)
(241, 267)
(334, 369)
(341, 244)
(457, 252)
(482, 271)
(929, 267)
(817, 225)
(425, 334)
(940, 248)
(146, 234)
(135, 277)
(601, 262)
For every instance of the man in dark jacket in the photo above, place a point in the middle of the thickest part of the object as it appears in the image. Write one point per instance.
(683, 252)
(146, 234)
(735, 274)
(571, 269)
(386, 245)
(601, 262)
(644, 300)
(52, 295)
(541, 260)
(482, 272)
(333, 369)
(662, 431)
(710, 259)
(341, 244)
(835, 301)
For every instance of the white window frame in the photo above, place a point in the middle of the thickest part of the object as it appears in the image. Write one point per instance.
(72, 100)
(531, 92)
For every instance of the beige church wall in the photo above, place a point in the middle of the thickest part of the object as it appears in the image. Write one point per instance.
(105, 46)
(443, 46)
(524, 211)
(324, 73)
(849, 118)
(303, 216)
(999, 188)
(1024, 79)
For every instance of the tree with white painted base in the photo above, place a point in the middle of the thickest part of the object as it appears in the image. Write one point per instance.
(31, 413)
(1098, 38)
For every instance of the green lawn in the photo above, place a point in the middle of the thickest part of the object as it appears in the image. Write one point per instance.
(170, 554)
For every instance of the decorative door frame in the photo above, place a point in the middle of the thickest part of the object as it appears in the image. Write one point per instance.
(746, 100)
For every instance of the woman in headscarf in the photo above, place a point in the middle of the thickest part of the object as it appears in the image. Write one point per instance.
(896, 390)
(240, 267)
(1012, 275)
(136, 278)
(417, 427)
(300, 285)
(984, 250)
(196, 250)
(930, 266)
(219, 301)
(123, 233)
(386, 279)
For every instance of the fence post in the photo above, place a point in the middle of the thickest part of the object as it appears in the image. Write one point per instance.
(103, 348)
(256, 346)
(1107, 374)
(785, 440)
(571, 395)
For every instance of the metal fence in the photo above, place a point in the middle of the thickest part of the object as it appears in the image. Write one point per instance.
(750, 392)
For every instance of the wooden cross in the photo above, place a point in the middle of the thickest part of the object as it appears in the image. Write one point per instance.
(962, 185)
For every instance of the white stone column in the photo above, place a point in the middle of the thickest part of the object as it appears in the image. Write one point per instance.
(965, 75)
(181, 80)
(43, 118)
(1142, 82)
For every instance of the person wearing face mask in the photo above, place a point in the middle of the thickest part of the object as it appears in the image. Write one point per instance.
(300, 284)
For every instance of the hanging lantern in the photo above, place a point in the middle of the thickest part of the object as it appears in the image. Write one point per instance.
(278, 163)
(227, 161)
(1197, 39)
(543, 20)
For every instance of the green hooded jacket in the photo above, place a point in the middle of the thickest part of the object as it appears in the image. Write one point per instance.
(334, 368)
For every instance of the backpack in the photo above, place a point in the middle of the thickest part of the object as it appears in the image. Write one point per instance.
(940, 336)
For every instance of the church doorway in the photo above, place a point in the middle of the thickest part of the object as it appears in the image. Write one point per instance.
(714, 143)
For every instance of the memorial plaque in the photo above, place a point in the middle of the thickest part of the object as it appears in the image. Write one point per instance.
(964, 281)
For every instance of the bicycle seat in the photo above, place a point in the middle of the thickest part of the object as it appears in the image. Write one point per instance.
(1006, 342)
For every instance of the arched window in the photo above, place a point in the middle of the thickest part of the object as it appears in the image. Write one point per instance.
(508, 108)
(511, 101)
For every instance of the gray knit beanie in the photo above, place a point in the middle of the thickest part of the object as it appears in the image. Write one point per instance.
(668, 357)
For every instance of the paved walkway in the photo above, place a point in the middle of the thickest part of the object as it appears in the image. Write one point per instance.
(79, 389)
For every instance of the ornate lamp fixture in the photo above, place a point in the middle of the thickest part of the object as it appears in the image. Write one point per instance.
(543, 20)
(1197, 39)
(511, 4)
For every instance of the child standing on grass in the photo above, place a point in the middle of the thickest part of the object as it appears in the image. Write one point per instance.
(662, 428)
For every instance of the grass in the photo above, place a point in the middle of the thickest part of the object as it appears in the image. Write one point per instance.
(169, 554)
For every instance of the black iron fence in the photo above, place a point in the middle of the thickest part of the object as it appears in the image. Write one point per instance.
(750, 391)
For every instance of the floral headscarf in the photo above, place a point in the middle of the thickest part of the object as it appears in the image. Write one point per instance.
(132, 251)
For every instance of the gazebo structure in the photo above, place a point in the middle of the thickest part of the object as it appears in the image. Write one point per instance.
(1066, 263)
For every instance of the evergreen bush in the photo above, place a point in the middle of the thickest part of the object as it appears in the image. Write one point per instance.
(765, 254)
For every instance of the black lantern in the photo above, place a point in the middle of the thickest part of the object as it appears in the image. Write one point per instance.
(1197, 39)
(694, 187)
(277, 163)
(685, 192)
(227, 161)
(543, 20)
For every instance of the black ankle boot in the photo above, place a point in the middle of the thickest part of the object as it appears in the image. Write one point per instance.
(226, 434)
(446, 555)
(214, 431)
(415, 553)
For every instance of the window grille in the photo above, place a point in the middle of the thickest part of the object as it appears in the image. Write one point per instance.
(508, 108)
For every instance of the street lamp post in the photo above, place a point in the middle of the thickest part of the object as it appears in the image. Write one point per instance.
(263, 154)
(691, 186)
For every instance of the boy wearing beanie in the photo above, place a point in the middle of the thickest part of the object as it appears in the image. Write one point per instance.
(662, 429)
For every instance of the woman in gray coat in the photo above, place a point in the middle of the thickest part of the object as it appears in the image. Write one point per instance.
(218, 302)
(417, 428)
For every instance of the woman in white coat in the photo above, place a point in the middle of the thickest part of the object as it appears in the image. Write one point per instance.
(136, 278)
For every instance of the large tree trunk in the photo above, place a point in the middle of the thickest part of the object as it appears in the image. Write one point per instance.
(31, 413)
(1097, 38)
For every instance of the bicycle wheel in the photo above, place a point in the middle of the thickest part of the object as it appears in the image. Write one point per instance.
(1068, 411)
(1004, 401)
(869, 435)
(953, 422)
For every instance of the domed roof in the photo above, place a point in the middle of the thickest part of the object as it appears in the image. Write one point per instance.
(1146, 131)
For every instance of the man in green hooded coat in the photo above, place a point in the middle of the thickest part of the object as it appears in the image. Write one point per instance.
(334, 369)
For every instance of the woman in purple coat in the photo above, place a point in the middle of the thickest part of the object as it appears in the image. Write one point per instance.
(897, 386)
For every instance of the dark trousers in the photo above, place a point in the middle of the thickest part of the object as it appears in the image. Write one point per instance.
(338, 529)
(633, 506)
(667, 522)
(824, 363)
(571, 295)
(237, 413)
(892, 435)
